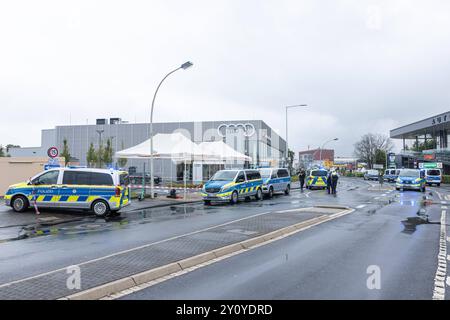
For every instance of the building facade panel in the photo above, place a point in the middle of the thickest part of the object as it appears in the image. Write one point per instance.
(251, 137)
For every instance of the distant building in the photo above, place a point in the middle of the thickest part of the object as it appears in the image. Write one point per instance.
(348, 163)
(250, 137)
(311, 157)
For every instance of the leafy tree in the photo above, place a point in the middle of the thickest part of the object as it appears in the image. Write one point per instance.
(366, 149)
(100, 153)
(420, 146)
(108, 153)
(9, 146)
(2, 152)
(380, 157)
(91, 157)
(122, 161)
(291, 155)
(66, 153)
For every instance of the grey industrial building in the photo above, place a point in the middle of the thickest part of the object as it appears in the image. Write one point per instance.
(250, 137)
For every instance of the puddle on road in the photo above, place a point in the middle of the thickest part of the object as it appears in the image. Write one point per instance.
(89, 223)
(411, 223)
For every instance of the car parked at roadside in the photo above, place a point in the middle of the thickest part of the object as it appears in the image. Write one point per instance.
(371, 175)
(275, 180)
(232, 185)
(99, 190)
(412, 179)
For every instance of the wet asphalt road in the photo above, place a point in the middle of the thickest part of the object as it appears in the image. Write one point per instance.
(327, 261)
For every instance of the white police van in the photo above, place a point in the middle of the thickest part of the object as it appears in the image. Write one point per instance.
(99, 190)
(433, 176)
(275, 180)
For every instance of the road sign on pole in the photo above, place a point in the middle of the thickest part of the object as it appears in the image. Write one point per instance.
(430, 165)
(52, 152)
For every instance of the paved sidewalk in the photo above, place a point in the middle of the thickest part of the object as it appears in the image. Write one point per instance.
(52, 285)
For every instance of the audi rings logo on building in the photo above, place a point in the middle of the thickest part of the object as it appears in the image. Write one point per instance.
(247, 128)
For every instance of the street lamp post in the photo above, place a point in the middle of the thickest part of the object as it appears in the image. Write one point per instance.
(320, 153)
(184, 66)
(289, 107)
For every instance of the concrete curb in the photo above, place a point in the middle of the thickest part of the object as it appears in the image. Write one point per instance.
(163, 271)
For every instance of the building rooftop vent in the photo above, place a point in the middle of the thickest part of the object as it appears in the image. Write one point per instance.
(101, 121)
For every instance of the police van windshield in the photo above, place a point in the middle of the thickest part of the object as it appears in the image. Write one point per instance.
(224, 176)
(265, 173)
(433, 172)
(409, 173)
(318, 173)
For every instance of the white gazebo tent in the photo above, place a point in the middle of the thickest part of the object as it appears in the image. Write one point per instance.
(177, 147)
(174, 146)
(219, 150)
(215, 153)
(165, 146)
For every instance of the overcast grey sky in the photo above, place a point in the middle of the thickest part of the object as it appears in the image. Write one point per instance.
(362, 66)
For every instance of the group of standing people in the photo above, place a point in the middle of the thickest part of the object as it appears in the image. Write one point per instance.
(332, 180)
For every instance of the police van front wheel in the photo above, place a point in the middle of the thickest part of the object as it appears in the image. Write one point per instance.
(258, 195)
(288, 190)
(20, 204)
(234, 197)
(270, 195)
(100, 208)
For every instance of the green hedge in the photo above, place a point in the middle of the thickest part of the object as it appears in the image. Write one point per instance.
(354, 174)
(446, 179)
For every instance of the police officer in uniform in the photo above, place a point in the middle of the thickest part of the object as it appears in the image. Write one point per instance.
(301, 178)
(334, 180)
(329, 182)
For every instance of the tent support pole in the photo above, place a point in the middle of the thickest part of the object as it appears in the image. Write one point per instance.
(185, 180)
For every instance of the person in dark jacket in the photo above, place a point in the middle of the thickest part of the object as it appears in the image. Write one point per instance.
(329, 182)
(334, 181)
(301, 178)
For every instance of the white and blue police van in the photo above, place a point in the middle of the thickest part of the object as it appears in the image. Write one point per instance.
(433, 176)
(275, 180)
(232, 185)
(99, 190)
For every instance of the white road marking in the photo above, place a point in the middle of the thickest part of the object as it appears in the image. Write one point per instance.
(376, 198)
(444, 207)
(440, 278)
(307, 194)
(295, 202)
(361, 206)
(447, 197)
(443, 202)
